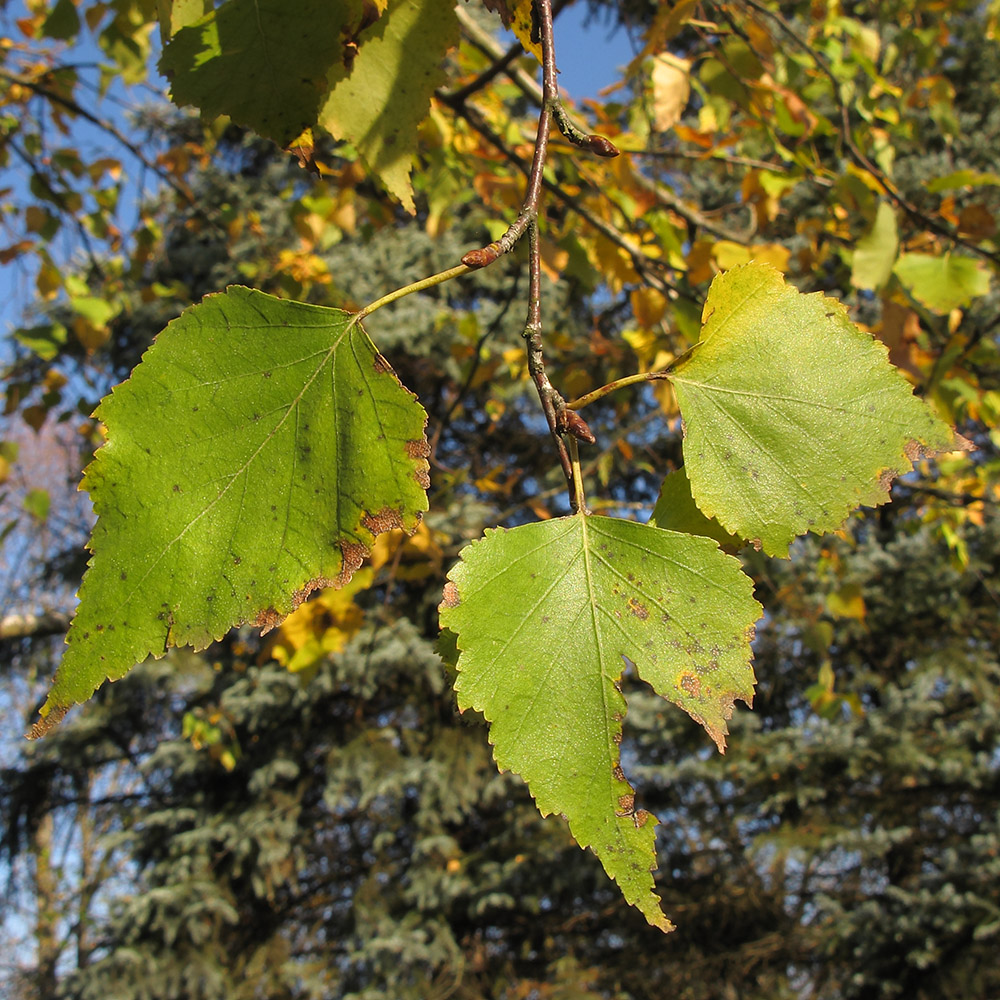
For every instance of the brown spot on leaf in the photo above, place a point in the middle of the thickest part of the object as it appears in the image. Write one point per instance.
(885, 478)
(420, 451)
(691, 684)
(387, 519)
(382, 367)
(271, 618)
(626, 805)
(617, 773)
(48, 723)
(640, 818)
(757, 544)
(353, 555)
(450, 598)
(268, 619)
(317, 583)
(638, 609)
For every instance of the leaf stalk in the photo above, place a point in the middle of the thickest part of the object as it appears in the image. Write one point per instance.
(416, 286)
(619, 383)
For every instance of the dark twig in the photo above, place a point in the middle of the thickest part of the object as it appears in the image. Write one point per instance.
(560, 419)
(529, 208)
(711, 157)
(598, 144)
(16, 626)
(70, 105)
(58, 198)
(495, 69)
(534, 93)
(552, 402)
(642, 264)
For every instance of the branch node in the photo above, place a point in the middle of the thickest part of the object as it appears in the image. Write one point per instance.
(484, 256)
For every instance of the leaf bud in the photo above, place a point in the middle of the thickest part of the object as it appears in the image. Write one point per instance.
(602, 146)
(481, 257)
(571, 422)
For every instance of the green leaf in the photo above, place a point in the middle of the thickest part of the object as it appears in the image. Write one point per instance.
(38, 503)
(176, 14)
(547, 614)
(962, 178)
(63, 21)
(876, 251)
(942, 283)
(676, 510)
(251, 458)
(261, 62)
(793, 416)
(46, 341)
(378, 103)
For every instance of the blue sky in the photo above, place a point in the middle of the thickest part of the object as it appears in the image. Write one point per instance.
(590, 56)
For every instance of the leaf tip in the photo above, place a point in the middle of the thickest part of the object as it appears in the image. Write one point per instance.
(51, 716)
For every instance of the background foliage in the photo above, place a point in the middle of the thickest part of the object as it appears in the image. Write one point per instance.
(307, 815)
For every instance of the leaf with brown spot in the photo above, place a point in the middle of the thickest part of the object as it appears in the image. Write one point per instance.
(546, 616)
(252, 457)
(794, 416)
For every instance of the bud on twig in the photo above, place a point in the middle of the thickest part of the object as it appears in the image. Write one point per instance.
(602, 146)
(483, 256)
(572, 423)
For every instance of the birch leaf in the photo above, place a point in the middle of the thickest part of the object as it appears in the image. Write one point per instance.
(252, 457)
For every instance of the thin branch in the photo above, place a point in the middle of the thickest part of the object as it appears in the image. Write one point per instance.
(740, 161)
(29, 625)
(529, 208)
(498, 66)
(534, 93)
(42, 91)
(552, 402)
(640, 261)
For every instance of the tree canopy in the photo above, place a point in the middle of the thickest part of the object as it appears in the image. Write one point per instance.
(803, 193)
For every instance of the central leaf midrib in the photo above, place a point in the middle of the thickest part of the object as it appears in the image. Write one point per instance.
(591, 596)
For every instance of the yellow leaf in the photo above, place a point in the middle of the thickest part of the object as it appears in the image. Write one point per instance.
(728, 254)
(667, 23)
(413, 557)
(847, 602)
(520, 24)
(553, 258)
(648, 306)
(671, 89)
(320, 627)
(92, 336)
